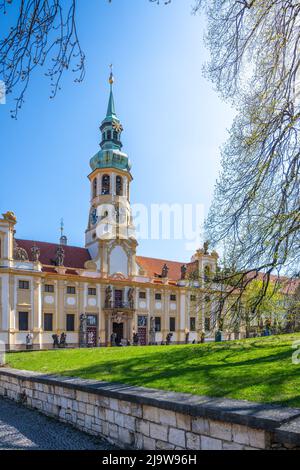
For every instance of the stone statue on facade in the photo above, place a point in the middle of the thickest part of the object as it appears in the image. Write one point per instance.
(35, 253)
(20, 254)
(10, 217)
(205, 247)
(83, 331)
(152, 331)
(130, 297)
(60, 256)
(108, 296)
(165, 271)
(183, 271)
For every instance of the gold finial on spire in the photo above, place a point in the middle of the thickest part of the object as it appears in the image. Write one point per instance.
(111, 77)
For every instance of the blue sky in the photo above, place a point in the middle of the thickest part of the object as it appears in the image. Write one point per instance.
(174, 122)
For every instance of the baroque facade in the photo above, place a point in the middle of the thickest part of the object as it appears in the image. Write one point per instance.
(103, 292)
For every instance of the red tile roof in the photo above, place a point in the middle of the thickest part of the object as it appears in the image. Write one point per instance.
(153, 267)
(75, 257)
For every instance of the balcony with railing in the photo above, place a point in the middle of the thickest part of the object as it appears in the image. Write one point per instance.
(118, 305)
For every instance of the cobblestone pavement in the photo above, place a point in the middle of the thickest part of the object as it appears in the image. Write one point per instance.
(24, 429)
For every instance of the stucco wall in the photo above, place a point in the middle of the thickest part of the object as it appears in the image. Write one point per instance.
(149, 419)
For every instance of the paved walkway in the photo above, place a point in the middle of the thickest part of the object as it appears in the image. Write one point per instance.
(24, 429)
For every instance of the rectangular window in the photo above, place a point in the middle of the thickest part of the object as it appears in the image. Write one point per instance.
(49, 288)
(23, 321)
(157, 296)
(193, 298)
(207, 324)
(48, 322)
(92, 291)
(173, 298)
(71, 290)
(70, 322)
(172, 324)
(23, 284)
(142, 295)
(157, 324)
(142, 321)
(91, 320)
(192, 324)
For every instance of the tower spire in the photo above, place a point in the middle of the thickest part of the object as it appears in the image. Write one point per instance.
(111, 155)
(111, 111)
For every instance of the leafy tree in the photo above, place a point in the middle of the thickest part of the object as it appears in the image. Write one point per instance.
(261, 311)
(255, 64)
(293, 311)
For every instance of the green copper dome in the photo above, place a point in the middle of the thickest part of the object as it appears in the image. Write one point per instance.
(112, 158)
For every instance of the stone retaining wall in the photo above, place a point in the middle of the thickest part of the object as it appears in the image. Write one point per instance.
(140, 418)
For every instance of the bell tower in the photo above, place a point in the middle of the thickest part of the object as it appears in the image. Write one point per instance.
(110, 236)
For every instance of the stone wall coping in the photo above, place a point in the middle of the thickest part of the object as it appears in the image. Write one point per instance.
(285, 422)
(289, 432)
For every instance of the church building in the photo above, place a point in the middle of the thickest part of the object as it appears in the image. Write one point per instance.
(105, 293)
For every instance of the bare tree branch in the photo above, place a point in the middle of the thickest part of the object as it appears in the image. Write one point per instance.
(45, 34)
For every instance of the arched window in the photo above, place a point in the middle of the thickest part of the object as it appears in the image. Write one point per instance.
(95, 187)
(115, 135)
(105, 184)
(108, 135)
(119, 186)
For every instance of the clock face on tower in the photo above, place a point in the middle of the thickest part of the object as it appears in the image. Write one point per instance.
(93, 216)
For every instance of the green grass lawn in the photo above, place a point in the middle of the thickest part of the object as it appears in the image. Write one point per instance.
(257, 369)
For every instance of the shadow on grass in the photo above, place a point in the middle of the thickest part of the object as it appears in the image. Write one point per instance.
(259, 369)
(270, 379)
